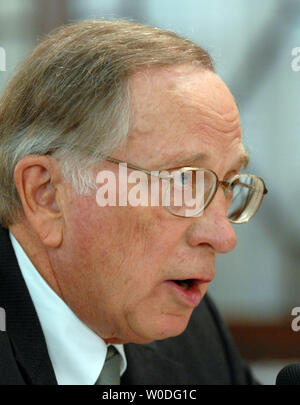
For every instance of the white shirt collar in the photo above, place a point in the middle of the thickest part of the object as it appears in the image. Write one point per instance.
(76, 352)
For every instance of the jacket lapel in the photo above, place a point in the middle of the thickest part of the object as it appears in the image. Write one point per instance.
(22, 324)
(149, 364)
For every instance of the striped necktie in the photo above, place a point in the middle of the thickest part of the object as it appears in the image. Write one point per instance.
(110, 374)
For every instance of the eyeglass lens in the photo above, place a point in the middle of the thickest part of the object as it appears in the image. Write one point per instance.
(192, 190)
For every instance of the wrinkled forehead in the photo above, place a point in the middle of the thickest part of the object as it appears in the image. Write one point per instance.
(172, 104)
(171, 89)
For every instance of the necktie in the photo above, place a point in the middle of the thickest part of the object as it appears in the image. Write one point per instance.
(110, 374)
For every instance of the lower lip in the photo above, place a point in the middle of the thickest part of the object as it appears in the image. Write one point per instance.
(191, 296)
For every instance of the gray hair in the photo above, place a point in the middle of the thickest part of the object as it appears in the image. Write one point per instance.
(71, 97)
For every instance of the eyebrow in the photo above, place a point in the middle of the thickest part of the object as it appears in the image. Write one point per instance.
(180, 162)
(201, 158)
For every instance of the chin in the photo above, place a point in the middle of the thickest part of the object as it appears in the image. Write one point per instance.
(168, 326)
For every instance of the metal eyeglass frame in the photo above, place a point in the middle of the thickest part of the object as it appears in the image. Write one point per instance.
(225, 184)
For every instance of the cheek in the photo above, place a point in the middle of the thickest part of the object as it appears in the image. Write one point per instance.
(121, 256)
(133, 234)
(128, 247)
(148, 245)
(138, 249)
(83, 229)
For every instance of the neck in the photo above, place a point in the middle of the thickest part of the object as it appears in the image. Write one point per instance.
(37, 253)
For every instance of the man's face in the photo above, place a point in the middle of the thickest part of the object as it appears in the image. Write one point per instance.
(117, 265)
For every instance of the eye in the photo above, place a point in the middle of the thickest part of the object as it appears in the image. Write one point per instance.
(185, 177)
(182, 179)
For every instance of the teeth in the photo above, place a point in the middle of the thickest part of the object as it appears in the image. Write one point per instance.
(184, 285)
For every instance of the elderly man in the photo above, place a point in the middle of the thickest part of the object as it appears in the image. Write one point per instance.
(92, 291)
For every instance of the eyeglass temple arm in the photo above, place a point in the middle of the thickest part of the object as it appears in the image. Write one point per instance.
(151, 173)
(225, 184)
(253, 188)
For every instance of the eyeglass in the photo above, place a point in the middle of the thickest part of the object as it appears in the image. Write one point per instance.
(244, 192)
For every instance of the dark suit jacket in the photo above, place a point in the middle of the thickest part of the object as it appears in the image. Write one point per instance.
(203, 354)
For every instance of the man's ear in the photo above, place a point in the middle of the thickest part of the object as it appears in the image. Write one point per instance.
(36, 178)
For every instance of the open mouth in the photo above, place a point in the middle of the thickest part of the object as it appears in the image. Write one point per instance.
(188, 290)
(185, 284)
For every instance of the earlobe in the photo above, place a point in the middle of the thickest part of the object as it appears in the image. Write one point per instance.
(36, 181)
(53, 238)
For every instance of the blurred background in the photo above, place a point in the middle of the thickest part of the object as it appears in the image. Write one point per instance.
(254, 45)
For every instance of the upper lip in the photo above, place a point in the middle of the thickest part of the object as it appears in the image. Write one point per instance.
(197, 279)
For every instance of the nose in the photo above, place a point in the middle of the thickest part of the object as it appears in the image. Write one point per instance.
(213, 227)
